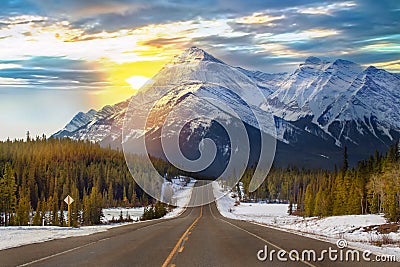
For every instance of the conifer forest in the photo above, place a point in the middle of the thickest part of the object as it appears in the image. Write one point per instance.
(37, 174)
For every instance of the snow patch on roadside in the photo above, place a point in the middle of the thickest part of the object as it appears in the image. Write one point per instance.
(15, 236)
(181, 198)
(349, 227)
(134, 213)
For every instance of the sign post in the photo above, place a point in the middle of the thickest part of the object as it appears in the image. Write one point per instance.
(69, 201)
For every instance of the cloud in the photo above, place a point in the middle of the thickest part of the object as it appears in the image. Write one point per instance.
(12, 81)
(102, 15)
(161, 42)
(22, 19)
(62, 56)
(382, 47)
(389, 65)
(99, 15)
(302, 35)
(87, 8)
(51, 73)
(326, 9)
(9, 66)
(260, 34)
(258, 18)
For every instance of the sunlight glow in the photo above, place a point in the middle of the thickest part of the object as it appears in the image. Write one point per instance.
(137, 81)
(128, 57)
(393, 66)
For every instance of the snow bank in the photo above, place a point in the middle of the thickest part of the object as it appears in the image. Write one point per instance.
(15, 236)
(349, 227)
(134, 213)
(182, 195)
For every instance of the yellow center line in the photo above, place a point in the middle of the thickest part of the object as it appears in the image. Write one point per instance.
(178, 244)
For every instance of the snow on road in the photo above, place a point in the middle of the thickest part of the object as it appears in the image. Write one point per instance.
(349, 227)
(15, 236)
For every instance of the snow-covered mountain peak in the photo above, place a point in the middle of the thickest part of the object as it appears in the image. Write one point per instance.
(80, 119)
(195, 65)
(346, 67)
(318, 108)
(380, 75)
(343, 63)
(371, 70)
(381, 80)
(313, 61)
(313, 88)
(315, 64)
(194, 54)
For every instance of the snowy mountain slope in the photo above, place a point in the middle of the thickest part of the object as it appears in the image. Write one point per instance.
(267, 82)
(317, 109)
(338, 94)
(193, 67)
(195, 85)
(103, 124)
(313, 87)
(375, 94)
(79, 120)
(370, 113)
(197, 65)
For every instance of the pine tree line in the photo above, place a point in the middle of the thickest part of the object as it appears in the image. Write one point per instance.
(373, 186)
(36, 175)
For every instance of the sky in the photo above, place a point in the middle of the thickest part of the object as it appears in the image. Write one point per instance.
(59, 57)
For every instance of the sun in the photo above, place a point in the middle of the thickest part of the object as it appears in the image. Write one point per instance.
(125, 79)
(137, 81)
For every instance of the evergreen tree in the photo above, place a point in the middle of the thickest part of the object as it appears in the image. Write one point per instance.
(92, 210)
(159, 210)
(61, 219)
(391, 207)
(319, 203)
(8, 197)
(340, 196)
(86, 216)
(23, 208)
(96, 209)
(37, 218)
(309, 201)
(345, 161)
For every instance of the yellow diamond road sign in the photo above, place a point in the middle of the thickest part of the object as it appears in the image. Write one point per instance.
(68, 200)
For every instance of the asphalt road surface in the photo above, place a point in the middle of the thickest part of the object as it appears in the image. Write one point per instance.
(200, 236)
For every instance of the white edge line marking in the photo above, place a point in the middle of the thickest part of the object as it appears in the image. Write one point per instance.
(92, 243)
(60, 253)
(258, 237)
